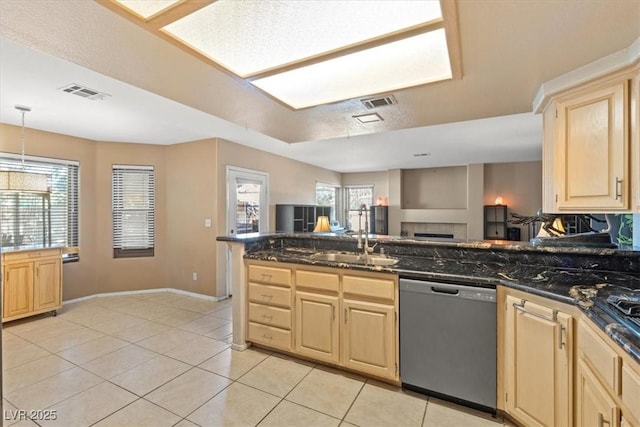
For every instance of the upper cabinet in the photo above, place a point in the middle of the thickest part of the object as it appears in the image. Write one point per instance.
(587, 148)
(591, 136)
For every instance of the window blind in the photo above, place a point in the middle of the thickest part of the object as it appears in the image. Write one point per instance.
(133, 206)
(36, 219)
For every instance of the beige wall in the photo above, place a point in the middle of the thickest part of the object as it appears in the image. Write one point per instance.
(191, 199)
(434, 188)
(190, 187)
(519, 184)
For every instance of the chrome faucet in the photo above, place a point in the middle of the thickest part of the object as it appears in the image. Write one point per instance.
(365, 247)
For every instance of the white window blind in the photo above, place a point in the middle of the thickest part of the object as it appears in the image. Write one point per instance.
(37, 219)
(133, 205)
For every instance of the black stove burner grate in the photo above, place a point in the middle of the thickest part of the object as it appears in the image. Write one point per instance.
(629, 307)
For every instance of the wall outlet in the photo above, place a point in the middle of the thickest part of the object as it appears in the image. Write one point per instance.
(207, 222)
(194, 275)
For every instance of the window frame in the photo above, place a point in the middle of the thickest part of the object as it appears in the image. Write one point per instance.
(335, 208)
(118, 211)
(70, 193)
(345, 198)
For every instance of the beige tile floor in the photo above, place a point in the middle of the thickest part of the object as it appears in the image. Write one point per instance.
(163, 359)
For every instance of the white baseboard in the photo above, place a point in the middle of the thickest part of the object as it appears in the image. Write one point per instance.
(147, 291)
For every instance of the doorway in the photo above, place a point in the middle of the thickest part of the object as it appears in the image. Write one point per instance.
(247, 206)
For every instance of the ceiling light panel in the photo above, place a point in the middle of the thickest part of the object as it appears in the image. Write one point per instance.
(147, 8)
(405, 63)
(252, 36)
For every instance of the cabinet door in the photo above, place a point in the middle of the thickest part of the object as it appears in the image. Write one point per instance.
(369, 338)
(538, 370)
(594, 150)
(317, 326)
(17, 289)
(46, 284)
(594, 406)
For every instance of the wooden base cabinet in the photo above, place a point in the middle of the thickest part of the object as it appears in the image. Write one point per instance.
(369, 338)
(32, 283)
(340, 317)
(594, 407)
(317, 326)
(538, 373)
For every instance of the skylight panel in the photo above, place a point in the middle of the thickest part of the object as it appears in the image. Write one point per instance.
(404, 63)
(147, 8)
(253, 36)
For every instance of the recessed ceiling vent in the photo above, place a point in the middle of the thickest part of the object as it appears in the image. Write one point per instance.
(368, 118)
(379, 102)
(84, 92)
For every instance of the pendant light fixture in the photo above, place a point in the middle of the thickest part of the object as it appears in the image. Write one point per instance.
(23, 181)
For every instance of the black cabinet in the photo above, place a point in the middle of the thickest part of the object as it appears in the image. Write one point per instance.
(299, 218)
(495, 222)
(379, 220)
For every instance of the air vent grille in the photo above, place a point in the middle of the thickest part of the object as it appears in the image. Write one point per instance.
(84, 92)
(379, 102)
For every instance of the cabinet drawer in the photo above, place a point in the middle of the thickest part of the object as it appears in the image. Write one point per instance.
(274, 316)
(267, 335)
(272, 295)
(270, 275)
(631, 391)
(369, 287)
(601, 357)
(24, 255)
(316, 280)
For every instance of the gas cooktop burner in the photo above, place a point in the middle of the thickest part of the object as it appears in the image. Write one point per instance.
(629, 306)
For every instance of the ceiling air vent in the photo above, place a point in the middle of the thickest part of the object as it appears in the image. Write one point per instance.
(379, 102)
(84, 92)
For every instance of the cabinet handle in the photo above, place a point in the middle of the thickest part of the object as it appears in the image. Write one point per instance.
(265, 296)
(266, 277)
(267, 316)
(602, 421)
(267, 337)
(618, 188)
(333, 308)
(345, 315)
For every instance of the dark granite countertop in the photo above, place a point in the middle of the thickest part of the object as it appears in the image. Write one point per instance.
(577, 276)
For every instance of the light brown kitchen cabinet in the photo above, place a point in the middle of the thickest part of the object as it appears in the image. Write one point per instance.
(608, 383)
(369, 338)
(537, 356)
(341, 317)
(589, 132)
(270, 300)
(317, 326)
(594, 407)
(32, 283)
(635, 140)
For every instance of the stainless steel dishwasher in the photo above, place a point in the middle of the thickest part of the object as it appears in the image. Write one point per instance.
(448, 341)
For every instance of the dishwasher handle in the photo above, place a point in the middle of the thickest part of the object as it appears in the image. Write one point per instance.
(448, 291)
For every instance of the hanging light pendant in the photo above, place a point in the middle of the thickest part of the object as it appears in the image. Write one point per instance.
(23, 181)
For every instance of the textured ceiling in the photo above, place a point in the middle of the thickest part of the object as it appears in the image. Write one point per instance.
(509, 48)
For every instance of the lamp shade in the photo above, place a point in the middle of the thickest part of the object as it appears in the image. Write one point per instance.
(23, 182)
(322, 226)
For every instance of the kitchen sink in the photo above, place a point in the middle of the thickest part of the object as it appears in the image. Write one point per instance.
(356, 259)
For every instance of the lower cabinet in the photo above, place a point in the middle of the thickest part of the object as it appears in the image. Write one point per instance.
(594, 407)
(32, 283)
(317, 326)
(538, 369)
(340, 317)
(369, 339)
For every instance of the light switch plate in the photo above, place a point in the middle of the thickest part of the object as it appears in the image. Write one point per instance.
(207, 222)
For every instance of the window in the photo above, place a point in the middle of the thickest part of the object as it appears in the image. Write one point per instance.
(354, 197)
(41, 219)
(326, 195)
(133, 205)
